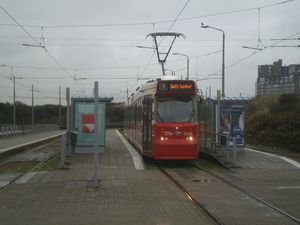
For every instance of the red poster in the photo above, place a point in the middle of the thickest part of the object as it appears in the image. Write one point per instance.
(88, 123)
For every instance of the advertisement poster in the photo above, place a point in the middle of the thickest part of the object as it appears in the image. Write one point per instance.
(232, 121)
(85, 124)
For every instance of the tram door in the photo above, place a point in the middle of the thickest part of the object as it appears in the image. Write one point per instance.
(147, 139)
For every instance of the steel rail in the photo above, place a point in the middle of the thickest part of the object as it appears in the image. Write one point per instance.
(247, 193)
(34, 150)
(26, 173)
(190, 196)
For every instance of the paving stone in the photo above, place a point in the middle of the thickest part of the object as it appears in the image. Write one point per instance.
(129, 196)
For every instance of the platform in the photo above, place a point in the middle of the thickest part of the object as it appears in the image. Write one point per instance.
(253, 159)
(19, 142)
(128, 194)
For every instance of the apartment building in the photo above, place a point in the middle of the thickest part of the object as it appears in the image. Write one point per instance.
(277, 79)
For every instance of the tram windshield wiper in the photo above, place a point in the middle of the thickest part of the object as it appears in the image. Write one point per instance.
(159, 117)
(192, 117)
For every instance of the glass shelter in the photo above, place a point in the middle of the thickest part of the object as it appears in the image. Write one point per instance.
(83, 123)
(228, 120)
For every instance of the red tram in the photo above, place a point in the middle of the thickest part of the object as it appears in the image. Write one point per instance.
(161, 120)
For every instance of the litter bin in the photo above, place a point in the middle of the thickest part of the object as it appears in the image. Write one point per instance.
(74, 134)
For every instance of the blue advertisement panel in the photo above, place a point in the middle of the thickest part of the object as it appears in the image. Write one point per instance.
(84, 122)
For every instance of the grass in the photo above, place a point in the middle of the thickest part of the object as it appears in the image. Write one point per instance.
(207, 164)
(49, 165)
(17, 167)
(182, 164)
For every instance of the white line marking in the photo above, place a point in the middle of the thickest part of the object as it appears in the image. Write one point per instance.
(137, 159)
(293, 162)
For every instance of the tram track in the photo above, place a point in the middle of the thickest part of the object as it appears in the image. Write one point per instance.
(205, 204)
(191, 197)
(260, 200)
(33, 158)
(12, 155)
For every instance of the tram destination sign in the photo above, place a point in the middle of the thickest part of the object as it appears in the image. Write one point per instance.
(176, 86)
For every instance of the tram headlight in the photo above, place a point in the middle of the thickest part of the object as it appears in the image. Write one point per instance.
(164, 138)
(190, 138)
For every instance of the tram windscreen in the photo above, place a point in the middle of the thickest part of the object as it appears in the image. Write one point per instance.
(175, 109)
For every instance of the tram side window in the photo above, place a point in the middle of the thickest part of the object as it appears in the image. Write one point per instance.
(178, 109)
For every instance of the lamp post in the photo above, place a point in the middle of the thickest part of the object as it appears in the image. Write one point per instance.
(14, 109)
(223, 57)
(32, 107)
(188, 64)
(173, 72)
(206, 92)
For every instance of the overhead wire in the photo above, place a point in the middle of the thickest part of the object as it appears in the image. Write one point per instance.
(39, 44)
(151, 23)
(124, 40)
(96, 68)
(173, 22)
(255, 52)
(160, 43)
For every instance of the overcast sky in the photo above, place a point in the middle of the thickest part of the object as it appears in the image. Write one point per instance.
(83, 41)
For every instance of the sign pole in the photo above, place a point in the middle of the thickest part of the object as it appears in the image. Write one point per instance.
(218, 114)
(68, 116)
(218, 111)
(96, 133)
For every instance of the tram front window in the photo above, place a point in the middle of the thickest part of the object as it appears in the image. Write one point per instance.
(178, 109)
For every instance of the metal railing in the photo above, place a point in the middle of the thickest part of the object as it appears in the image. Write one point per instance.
(218, 139)
(63, 151)
(9, 131)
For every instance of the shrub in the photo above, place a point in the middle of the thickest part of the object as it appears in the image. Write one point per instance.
(277, 125)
